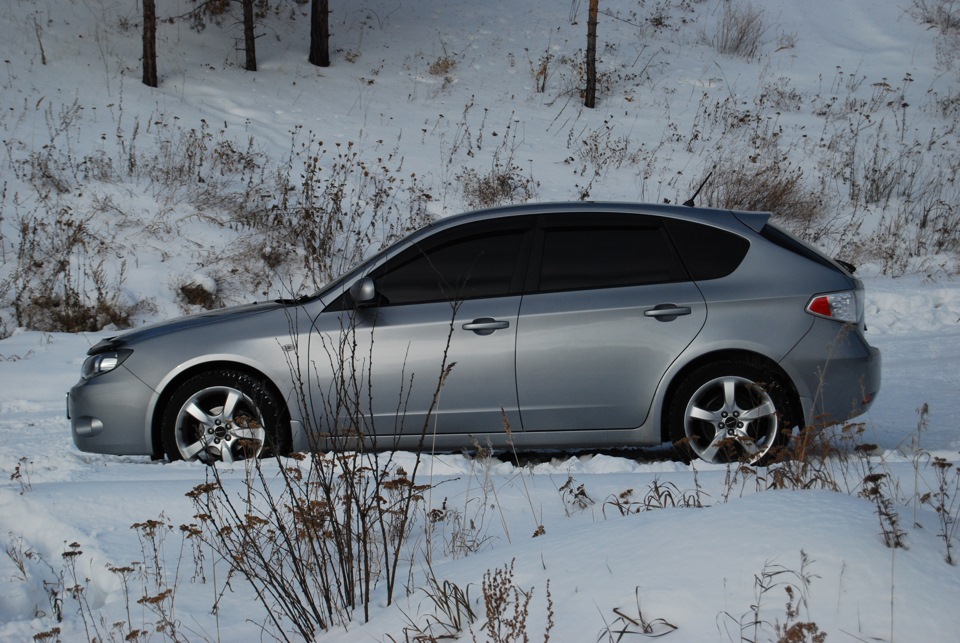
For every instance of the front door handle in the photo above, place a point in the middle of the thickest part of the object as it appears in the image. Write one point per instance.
(486, 325)
(667, 312)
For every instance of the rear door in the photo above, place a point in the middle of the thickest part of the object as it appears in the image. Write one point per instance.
(608, 307)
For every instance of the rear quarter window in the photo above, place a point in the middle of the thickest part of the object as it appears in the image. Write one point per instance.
(707, 252)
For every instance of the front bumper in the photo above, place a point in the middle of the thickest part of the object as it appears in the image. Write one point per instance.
(108, 414)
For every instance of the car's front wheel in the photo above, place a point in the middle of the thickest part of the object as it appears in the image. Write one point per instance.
(730, 412)
(223, 416)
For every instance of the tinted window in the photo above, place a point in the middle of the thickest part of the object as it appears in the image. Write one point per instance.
(707, 252)
(606, 256)
(464, 267)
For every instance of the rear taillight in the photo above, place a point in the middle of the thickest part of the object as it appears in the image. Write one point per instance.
(838, 306)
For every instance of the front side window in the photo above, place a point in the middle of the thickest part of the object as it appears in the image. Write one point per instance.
(471, 263)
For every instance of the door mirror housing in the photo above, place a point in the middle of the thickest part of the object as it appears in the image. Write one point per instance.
(363, 291)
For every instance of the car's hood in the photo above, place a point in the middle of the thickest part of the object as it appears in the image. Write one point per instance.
(182, 323)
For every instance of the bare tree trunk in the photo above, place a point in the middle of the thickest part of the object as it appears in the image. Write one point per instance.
(150, 43)
(249, 39)
(319, 33)
(590, 96)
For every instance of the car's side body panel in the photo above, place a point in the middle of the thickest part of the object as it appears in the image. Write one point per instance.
(256, 342)
(592, 359)
(382, 373)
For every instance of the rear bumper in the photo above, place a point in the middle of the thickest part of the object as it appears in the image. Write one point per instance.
(837, 373)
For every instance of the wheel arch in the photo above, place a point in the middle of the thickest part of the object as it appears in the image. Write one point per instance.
(174, 383)
(737, 355)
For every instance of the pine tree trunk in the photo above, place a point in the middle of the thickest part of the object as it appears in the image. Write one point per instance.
(150, 43)
(319, 33)
(590, 96)
(249, 40)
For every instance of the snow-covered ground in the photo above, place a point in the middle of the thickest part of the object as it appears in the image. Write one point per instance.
(695, 569)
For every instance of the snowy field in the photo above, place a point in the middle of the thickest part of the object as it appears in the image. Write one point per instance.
(694, 568)
(713, 573)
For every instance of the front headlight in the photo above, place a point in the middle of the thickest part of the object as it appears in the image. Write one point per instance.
(103, 363)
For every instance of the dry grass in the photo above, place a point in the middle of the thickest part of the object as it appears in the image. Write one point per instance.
(942, 14)
(776, 186)
(740, 31)
(442, 66)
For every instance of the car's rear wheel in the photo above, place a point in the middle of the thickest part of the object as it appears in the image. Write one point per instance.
(223, 416)
(730, 412)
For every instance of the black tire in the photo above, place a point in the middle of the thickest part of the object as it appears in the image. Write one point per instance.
(731, 411)
(222, 416)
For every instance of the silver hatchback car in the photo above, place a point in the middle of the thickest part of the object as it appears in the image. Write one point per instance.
(560, 326)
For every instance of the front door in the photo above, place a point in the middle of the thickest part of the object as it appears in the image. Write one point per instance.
(435, 349)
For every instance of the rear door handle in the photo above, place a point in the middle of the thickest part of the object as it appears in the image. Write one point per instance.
(486, 325)
(666, 312)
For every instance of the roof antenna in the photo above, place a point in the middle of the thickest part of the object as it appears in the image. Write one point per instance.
(689, 202)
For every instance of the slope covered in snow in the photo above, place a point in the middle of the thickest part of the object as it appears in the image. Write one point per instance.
(433, 99)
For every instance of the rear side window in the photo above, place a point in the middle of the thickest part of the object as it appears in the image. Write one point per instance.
(606, 256)
(707, 252)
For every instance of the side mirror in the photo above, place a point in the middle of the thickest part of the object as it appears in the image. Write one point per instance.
(363, 291)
